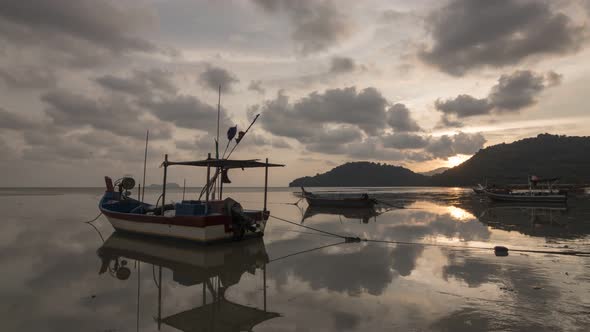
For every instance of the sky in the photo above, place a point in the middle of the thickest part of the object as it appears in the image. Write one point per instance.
(422, 84)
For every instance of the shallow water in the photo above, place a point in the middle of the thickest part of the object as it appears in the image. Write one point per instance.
(443, 277)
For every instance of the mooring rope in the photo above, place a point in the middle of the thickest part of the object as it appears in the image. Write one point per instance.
(89, 221)
(498, 250)
(304, 251)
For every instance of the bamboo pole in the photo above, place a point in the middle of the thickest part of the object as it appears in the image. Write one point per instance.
(208, 175)
(147, 136)
(164, 184)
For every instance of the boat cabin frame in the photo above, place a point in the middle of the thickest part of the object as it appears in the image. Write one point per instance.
(220, 166)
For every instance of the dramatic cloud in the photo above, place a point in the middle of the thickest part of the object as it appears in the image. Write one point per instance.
(340, 65)
(187, 112)
(469, 34)
(398, 117)
(461, 143)
(27, 77)
(364, 109)
(140, 83)
(214, 77)
(464, 105)
(9, 120)
(316, 25)
(511, 94)
(116, 115)
(404, 141)
(79, 32)
(516, 91)
(256, 86)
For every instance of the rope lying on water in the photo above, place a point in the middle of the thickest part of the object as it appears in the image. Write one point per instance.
(499, 250)
(89, 221)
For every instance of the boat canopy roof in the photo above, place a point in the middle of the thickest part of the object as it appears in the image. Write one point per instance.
(223, 163)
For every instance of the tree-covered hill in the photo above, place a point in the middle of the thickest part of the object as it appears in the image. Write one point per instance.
(545, 156)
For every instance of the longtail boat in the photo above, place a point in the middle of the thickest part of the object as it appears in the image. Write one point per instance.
(338, 200)
(203, 220)
(534, 194)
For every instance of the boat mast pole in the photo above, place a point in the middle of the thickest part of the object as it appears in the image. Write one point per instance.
(265, 183)
(164, 184)
(217, 140)
(183, 189)
(147, 136)
(208, 175)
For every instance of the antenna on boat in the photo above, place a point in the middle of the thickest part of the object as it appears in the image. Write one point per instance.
(218, 114)
(147, 136)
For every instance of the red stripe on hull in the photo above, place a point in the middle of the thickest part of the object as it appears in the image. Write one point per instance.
(190, 221)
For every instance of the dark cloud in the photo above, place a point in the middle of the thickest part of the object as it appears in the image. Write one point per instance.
(187, 112)
(80, 32)
(339, 65)
(404, 141)
(464, 106)
(364, 109)
(398, 117)
(115, 115)
(214, 77)
(553, 78)
(511, 94)
(316, 25)
(140, 83)
(516, 91)
(10, 120)
(461, 143)
(467, 34)
(256, 86)
(27, 77)
(332, 141)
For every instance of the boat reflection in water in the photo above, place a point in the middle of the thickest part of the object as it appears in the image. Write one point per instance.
(363, 214)
(546, 220)
(214, 267)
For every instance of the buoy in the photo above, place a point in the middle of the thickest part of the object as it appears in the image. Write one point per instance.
(500, 251)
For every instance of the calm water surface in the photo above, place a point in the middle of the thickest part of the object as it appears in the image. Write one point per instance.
(61, 274)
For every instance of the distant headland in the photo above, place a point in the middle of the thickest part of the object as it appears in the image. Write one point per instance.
(567, 157)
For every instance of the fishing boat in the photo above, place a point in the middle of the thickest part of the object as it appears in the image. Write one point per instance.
(204, 220)
(479, 189)
(338, 199)
(214, 268)
(539, 191)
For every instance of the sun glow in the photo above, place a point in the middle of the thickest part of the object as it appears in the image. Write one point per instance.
(460, 214)
(457, 160)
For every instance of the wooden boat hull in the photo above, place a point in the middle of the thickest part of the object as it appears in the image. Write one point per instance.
(545, 198)
(204, 229)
